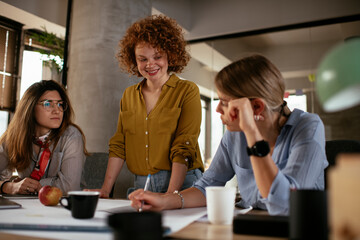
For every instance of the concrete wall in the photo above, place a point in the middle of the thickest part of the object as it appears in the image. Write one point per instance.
(95, 82)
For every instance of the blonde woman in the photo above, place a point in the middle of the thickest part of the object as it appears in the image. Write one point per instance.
(269, 148)
(42, 143)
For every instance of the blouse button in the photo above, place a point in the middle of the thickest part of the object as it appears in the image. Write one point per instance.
(146, 132)
(187, 143)
(146, 145)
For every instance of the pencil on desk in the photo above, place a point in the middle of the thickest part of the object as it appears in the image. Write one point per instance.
(145, 189)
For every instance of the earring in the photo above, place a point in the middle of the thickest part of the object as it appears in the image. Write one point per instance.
(257, 117)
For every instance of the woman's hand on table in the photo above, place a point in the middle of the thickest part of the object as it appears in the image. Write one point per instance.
(23, 186)
(149, 201)
(103, 193)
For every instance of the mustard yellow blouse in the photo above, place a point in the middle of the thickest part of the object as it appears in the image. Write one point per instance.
(150, 143)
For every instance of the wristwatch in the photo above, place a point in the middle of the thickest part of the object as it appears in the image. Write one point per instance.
(260, 149)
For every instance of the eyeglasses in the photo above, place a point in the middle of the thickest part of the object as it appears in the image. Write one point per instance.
(49, 104)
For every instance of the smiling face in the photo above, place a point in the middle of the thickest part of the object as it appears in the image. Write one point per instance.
(152, 64)
(47, 120)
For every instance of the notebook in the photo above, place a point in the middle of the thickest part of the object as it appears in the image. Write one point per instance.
(16, 196)
(8, 204)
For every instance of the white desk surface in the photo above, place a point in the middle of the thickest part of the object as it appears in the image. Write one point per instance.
(33, 212)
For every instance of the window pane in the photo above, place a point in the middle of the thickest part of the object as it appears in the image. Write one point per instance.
(217, 128)
(202, 137)
(297, 101)
(31, 70)
(4, 117)
(7, 68)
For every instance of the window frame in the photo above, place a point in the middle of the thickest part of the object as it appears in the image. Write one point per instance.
(15, 27)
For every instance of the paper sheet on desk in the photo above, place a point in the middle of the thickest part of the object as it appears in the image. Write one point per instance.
(33, 212)
(123, 206)
(180, 218)
(40, 216)
(236, 212)
(173, 219)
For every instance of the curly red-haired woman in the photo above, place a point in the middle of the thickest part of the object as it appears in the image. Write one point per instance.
(160, 117)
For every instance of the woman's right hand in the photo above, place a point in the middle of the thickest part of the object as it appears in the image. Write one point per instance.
(103, 193)
(23, 186)
(148, 201)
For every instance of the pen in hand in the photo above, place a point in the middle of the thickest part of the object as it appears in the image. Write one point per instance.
(145, 189)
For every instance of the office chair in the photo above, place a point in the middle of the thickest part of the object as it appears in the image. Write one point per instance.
(335, 147)
(93, 175)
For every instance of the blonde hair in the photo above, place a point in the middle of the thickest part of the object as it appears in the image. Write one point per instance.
(254, 77)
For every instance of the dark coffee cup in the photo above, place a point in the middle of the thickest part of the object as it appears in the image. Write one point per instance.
(308, 214)
(81, 204)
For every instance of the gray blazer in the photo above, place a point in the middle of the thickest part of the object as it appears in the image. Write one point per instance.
(66, 163)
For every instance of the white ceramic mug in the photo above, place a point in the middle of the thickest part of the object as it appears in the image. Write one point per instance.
(220, 203)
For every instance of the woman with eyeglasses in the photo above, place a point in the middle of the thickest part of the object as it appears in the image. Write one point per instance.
(42, 143)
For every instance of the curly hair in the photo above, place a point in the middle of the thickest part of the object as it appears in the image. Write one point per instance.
(162, 33)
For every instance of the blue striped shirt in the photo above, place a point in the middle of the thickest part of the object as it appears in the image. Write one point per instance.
(299, 154)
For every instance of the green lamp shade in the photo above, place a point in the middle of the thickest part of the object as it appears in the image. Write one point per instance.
(338, 77)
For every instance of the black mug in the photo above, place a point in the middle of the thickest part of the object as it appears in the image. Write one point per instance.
(81, 204)
(308, 214)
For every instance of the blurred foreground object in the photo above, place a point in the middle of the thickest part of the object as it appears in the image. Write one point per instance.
(344, 197)
(338, 77)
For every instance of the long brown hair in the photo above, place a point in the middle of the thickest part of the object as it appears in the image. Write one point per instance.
(18, 137)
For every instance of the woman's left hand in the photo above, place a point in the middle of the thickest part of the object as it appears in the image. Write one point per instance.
(241, 114)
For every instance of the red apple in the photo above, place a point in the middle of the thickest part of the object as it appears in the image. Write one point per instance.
(49, 196)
